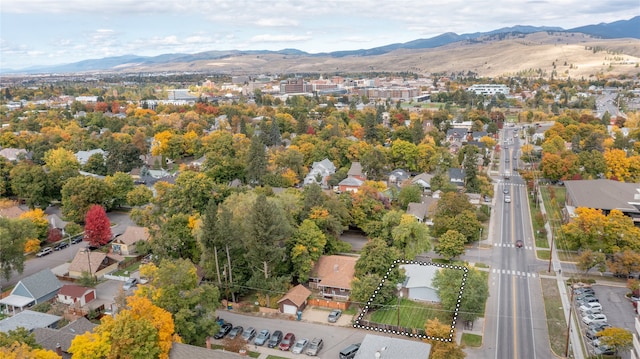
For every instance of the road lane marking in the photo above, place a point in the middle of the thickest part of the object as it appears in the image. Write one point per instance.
(515, 327)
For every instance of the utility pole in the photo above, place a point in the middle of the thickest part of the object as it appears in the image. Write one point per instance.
(553, 236)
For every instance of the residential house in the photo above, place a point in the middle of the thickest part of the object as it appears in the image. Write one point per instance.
(477, 135)
(378, 346)
(398, 176)
(320, 173)
(59, 340)
(474, 198)
(423, 210)
(76, 295)
(56, 222)
(603, 194)
(355, 179)
(29, 320)
(456, 176)
(418, 284)
(34, 289)
(332, 275)
(125, 244)
(15, 154)
(97, 264)
(457, 135)
(423, 180)
(83, 156)
(295, 300)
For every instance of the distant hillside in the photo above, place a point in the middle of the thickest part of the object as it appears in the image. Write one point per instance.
(369, 59)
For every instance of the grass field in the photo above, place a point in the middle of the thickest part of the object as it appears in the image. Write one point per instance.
(543, 254)
(556, 323)
(412, 314)
(471, 340)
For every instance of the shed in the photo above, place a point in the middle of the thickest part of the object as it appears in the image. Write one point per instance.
(74, 294)
(295, 300)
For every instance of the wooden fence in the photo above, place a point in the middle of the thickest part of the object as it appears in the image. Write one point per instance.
(328, 303)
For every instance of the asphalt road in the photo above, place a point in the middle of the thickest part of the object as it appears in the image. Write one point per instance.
(515, 324)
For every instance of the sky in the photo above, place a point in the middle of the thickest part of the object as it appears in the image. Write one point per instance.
(50, 32)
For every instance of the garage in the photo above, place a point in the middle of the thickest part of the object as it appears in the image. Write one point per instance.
(289, 309)
(295, 300)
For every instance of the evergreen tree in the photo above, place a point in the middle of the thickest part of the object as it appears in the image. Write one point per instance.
(257, 162)
(274, 133)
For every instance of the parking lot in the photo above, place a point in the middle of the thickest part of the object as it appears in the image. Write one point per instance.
(618, 309)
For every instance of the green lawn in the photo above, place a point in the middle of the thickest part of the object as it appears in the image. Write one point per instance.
(471, 340)
(556, 324)
(543, 254)
(412, 314)
(130, 269)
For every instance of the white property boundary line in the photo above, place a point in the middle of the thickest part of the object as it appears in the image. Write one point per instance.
(409, 334)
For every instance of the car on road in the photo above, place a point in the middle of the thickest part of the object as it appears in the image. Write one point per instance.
(262, 337)
(594, 318)
(300, 346)
(507, 199)
(130, 283)
(519, 243)
(224, 330)
(350, 351)
(44, 251)
(61, 245)
(276, 338)
(288, 340)
(334, 315)
(248, 334)
(505, 190)
(235, 331)
(314, 347)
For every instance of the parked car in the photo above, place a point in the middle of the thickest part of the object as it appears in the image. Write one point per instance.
(235, 331)
(592, 331)
(591, 311)
(224, 330)
(588, 300)
(76, 240)
(583, 290)
(300, 346)
(583, 297)
(248, 334)
(262, 337)
(334, 315)
(61, 245)
(594, 318)
(350, 351)
(288, 340)
(276, 338)
(592, 306)
(130, 283)
(314, 347)
(44, 251)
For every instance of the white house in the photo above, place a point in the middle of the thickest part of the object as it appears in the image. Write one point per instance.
(418, 285)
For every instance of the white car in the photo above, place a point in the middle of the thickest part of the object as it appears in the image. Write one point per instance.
(591, 311)
(130, 283)
(300, 346)
(592, 306)
(594, 318)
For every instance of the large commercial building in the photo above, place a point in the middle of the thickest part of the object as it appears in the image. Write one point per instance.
(489, 89)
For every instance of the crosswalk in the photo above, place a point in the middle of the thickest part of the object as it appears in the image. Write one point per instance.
(513, 273)
(503, 183)
(510, 245)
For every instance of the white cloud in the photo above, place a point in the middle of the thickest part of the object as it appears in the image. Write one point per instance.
(283, 22)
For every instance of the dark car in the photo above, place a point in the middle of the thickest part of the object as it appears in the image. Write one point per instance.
(276, 338)
(76, 240)
(287, 342)
(350, 351)
(224, 330)
(519, 243)
(61, 245)
(235, 331)
(248, 334)
(334, 315)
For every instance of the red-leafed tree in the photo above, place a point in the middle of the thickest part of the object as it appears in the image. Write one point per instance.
(97, 228)
(54, 235)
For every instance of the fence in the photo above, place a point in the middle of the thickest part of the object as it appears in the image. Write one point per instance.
(116, 277)
(328, 303)
(382, 327)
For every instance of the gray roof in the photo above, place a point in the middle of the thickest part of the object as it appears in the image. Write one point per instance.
(186, 351)
(29, 320)
(419, 275)
(41, 283)
(602, 194)
(392, 348)
(418, 209)
(355, 169)
(351, 181)
(424, 177)
(49, 338)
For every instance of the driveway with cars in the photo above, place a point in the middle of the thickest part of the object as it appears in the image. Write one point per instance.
(335, 336)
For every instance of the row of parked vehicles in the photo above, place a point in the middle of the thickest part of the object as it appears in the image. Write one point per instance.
(60, 246)
(279, 340)
(595, 321)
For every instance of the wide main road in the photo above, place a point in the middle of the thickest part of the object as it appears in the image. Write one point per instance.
(517, 315)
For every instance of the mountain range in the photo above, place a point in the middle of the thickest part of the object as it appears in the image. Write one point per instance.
(623, 29)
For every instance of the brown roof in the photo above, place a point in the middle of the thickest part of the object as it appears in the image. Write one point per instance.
(335, 271)
(132, 235)
(186, 351)
(297, 295)
(74, 291)
(11, 212)
(82, 261)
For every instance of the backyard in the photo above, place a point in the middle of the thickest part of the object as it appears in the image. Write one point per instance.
(412, 314)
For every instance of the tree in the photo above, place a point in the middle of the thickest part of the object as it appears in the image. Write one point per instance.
(13, 236)
(470, 166)
(476, 291)
(442, 349)
(18, 350)
(624, 262)
(452, 204)
(97, 228)
(409, 194)
(257, 162)
(411, 237)
(120, 185)
(96, 165)
(19, 335)
(307, 243)
(142, 330)
(139, 196)
(173, 286)
(29, 182)
(450, 245)
(589, 259)
(617, 338)
(61, 165)
(617, 165)
(123, 158)
(40, 222)
(80, 193)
